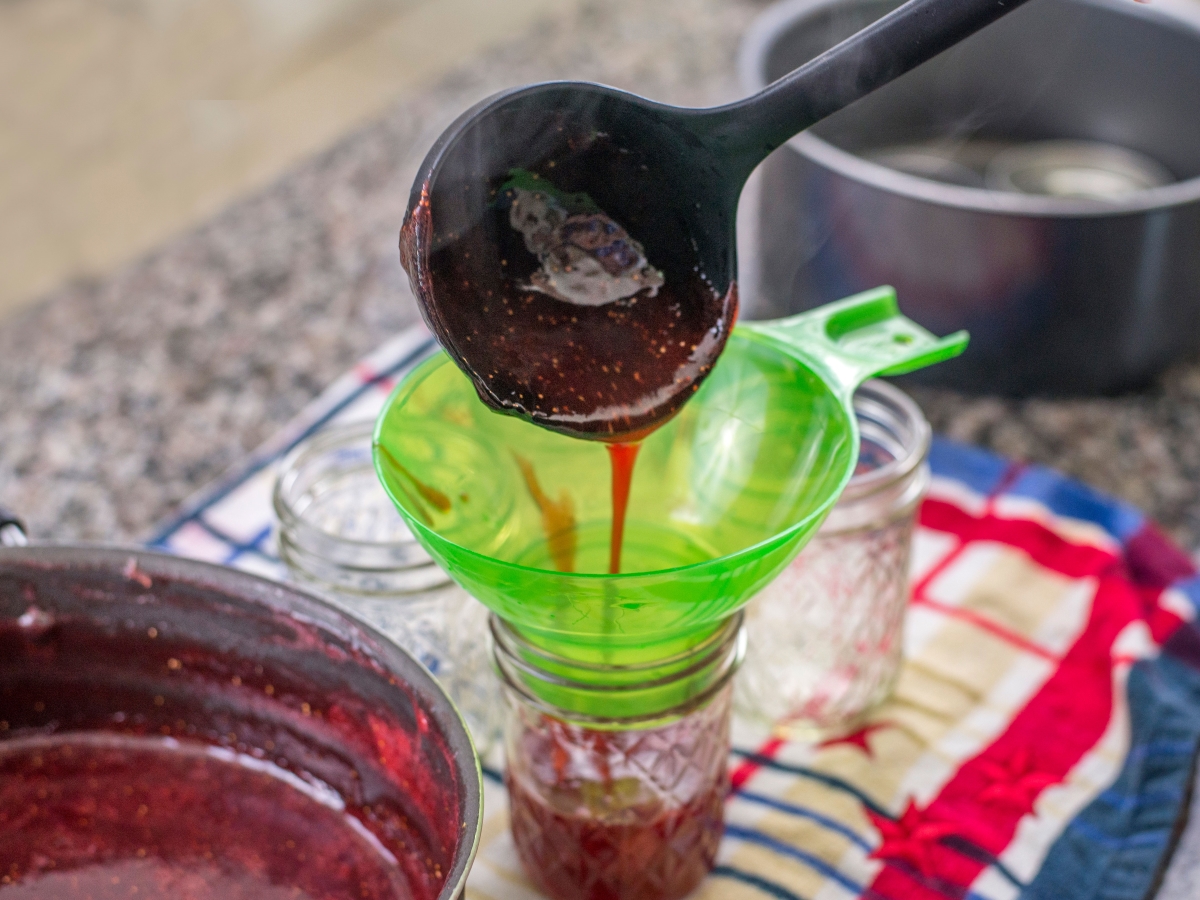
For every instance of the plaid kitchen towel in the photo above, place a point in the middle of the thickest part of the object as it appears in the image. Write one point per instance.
(1041, 740)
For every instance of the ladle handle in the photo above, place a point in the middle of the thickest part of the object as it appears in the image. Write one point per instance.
(746, 131)
(854, 339)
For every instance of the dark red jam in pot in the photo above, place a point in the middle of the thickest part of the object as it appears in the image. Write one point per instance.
(103, 816)
(600, 814)
(161, 738)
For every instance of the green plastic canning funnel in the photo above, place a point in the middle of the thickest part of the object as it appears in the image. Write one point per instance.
(723, 495)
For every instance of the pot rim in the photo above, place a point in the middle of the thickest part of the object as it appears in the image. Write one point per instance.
(115, 558)
(778, 19)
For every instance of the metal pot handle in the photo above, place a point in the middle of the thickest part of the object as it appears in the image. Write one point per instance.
(12, 530)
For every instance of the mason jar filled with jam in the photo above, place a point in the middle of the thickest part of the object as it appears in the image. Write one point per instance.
(617, 775)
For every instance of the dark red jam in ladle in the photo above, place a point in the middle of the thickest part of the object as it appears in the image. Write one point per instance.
(596, 327)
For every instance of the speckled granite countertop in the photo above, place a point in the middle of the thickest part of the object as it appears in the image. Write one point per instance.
(120, 397)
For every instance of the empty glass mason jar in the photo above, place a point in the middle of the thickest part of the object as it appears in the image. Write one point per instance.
(341, 537)
(617, 775)
(825, 637)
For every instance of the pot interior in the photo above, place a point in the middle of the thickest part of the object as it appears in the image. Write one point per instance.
(121, 657)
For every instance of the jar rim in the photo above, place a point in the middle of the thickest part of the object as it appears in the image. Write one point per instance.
(713, 662)
(905, 413)
(711, 645)
(305, 451)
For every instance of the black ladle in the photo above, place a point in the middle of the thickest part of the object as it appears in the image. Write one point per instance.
(572, 246)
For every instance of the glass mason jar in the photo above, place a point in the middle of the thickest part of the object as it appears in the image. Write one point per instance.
(341, 537)
(825, 637)
(617, 776)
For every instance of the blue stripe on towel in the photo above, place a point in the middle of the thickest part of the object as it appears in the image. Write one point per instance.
(770, 888)
(1114, 848)
(979, 470)
(805, 813)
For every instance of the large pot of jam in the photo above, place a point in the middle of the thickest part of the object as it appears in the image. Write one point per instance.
(174, 729)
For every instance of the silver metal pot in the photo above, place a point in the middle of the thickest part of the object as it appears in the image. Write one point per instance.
(920, 185)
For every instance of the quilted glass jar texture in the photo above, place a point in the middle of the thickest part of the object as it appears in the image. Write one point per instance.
(340, 536)
(824, 638)
(608, 805)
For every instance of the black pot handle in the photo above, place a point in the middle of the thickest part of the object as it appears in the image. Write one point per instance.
(12, 530)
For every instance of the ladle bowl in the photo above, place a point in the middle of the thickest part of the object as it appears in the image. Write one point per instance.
(723, 497)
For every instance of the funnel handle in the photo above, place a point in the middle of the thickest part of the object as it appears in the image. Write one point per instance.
(854, 339)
